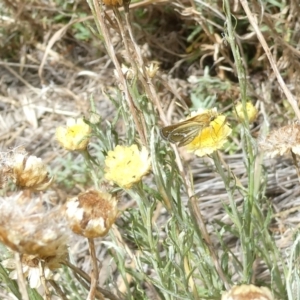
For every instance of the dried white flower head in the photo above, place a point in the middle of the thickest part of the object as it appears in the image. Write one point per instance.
(92, 213)
(282, 141)
(30, 266)
(27, 171)
(248, 292)
(29, 227)
(30, 172)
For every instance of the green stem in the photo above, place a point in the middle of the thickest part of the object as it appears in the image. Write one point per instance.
(249, 153)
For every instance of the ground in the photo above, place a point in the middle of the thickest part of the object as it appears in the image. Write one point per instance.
(54, 66)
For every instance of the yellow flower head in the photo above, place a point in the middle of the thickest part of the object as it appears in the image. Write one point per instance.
(251, 112)
(282, 141)
(75, 136)
(126, 165)
(210, 138)
(92, 213)
(248, 292)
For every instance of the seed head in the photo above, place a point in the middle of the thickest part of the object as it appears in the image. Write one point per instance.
(27, 171)
(282, 141)
(91, 214)
(29, 227)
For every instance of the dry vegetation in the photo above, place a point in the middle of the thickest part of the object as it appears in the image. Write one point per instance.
(53, 62)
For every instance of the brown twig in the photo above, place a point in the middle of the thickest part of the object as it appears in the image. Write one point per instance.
(145, 78)
(58, 290)
(86, 277)
(264, 44)
(99, 18)
(95, 272)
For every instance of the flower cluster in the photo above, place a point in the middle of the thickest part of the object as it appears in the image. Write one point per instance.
(28, 223)
(92, 213)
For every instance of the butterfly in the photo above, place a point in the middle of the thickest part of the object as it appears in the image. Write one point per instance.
(185, 132)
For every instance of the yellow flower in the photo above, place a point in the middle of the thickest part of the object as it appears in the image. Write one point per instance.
(282, 141)
(251, 112)
(91, 214)
(248, 292)
(210, 138)
(126, 165)
(75, 136)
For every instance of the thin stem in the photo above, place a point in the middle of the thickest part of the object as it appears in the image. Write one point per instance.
(43, 280)
(102, 28)
(148, 85)
(95, 272)
(198, 218)
(296, 164)
(247, 227)
(86, 277)
(58, 290)
(21, 279)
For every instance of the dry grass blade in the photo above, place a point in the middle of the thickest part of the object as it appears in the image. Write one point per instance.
(262, 40)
